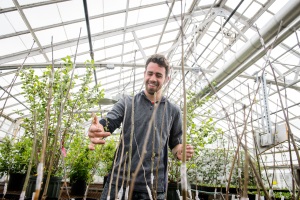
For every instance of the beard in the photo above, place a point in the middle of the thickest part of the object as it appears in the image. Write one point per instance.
(151, 90)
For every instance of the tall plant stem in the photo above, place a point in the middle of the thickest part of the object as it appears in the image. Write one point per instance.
(184, 123)
(159, 151)
(132, 129)
(154, 194)
(256, 147)
(113, 168)
(121, 158)
(290, 134)
(45, 134)
(280, 98)
(246, 174)
(239, 143)
(144, 150)
(22, 195)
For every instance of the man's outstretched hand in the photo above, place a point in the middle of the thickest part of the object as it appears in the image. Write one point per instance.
(96, 133)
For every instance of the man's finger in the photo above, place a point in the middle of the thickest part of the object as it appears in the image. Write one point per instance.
(98, 134)
(91, 146)
(94, 128)
(97, 140)
(95, 119)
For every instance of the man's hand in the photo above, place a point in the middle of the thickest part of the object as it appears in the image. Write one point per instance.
(96, 133)
(177, 151)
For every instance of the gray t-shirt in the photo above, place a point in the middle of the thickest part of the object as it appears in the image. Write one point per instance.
(165, 129)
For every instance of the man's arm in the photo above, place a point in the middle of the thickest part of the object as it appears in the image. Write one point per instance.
(115, 116)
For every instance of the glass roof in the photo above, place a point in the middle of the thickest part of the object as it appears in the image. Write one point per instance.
(238, 52)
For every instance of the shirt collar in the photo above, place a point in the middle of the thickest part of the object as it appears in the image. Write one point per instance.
(163, 99)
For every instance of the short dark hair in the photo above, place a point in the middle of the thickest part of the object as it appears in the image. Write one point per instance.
(160, 60)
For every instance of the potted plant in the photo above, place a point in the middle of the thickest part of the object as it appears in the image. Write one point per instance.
(14, 160)
(53, 100)
(80, 162)
(83, 163)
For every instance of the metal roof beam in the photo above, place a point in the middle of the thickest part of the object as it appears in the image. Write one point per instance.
(269, 81)
(11, 9)
(139, 45)
(253, 48)
(84, 39)
(30, 29)
(125, 25)
(79, 20)
(165, 25)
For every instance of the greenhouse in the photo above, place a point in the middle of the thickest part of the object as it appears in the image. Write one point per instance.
(150, 99)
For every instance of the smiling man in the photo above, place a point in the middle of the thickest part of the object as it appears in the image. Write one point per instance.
(166, 131)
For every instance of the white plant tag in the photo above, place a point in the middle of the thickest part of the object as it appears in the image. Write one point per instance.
(149, 192)
(126, 192)
(120, 193)
(22, 195)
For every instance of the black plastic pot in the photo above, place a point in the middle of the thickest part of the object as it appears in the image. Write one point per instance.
(78, 188)
(172, 194)
(53, 188)
(16, 182)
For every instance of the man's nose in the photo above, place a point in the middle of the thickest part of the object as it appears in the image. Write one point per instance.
(153, 78)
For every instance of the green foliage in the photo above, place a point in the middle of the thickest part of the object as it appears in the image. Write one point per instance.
(70, 93)
(107, 156)
(213, 168)
(14, 155)
(80, 160)
(276, 194)
(173, 168)
(204, 133)
(198, 135)
(83, 163)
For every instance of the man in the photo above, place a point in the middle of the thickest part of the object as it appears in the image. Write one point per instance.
(165, 130)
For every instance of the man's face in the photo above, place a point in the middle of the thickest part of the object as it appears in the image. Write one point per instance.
(154, 78)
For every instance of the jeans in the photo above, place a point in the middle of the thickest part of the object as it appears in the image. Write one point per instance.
(135, 195)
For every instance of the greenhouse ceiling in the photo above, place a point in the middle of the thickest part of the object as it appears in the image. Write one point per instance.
(244, 54)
